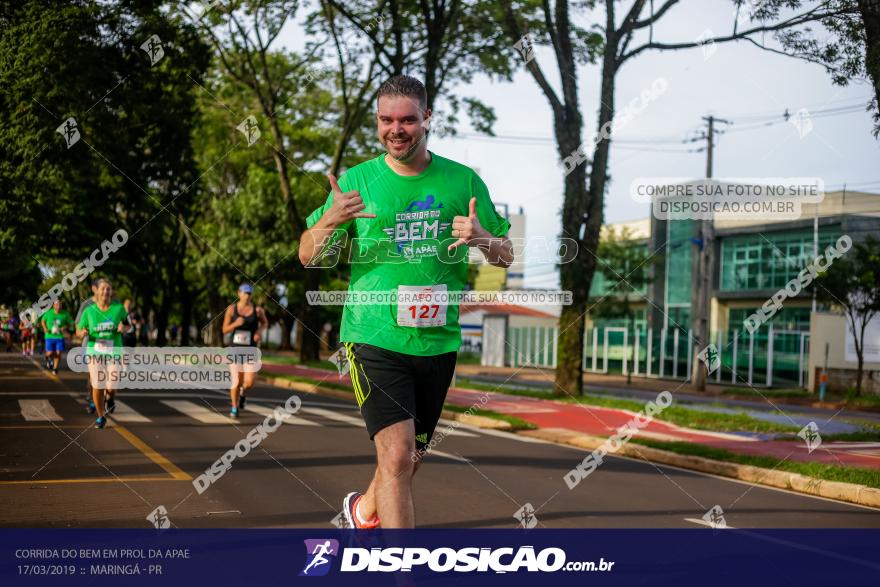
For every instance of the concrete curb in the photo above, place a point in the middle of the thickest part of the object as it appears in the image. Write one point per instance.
(836, 490)
(478, 421)
(307, 387)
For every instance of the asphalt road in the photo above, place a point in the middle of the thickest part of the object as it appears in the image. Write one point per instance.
(56, 470)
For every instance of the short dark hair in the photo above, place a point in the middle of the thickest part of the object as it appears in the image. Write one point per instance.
(404, 85)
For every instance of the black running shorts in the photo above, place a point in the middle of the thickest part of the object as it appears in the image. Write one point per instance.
(393, 387)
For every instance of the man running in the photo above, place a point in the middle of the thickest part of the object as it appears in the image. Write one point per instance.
(54, 321)
(103, 323)
(245, 320)
(130, 337)
(412, 210)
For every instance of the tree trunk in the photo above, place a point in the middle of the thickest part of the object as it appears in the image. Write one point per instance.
(287, 322)
(632, 350)
(870, 10)
(215, 326)
(184, 296)
(310, 316)
(574, 277)
(162, 319)
(859, 373)
(309, 350)
(582, 220)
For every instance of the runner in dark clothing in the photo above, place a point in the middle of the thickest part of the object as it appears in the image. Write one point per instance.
(244, 320)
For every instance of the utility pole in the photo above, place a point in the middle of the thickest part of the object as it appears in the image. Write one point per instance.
(702, 267)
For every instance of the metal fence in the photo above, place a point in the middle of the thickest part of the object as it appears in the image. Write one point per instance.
(766, 358)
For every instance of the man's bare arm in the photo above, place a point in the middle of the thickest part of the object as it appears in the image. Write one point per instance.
(346, 206)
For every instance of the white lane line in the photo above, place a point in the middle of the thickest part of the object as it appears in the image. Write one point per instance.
(333, 415)
(705, 523)
(446, 455)
(38, 410)
(125, 413)
(288, 419)
(452, 428)
(201, 413)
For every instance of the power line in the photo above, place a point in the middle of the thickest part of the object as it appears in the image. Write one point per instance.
(861, 102)
(635, 144)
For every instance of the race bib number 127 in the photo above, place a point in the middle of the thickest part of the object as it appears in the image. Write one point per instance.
(420, 305)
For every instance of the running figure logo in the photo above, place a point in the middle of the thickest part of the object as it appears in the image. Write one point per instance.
(526, 516)
(69, 131)
(715, 518)
(153, 48)
(801, 121)
(526, 48)
(711, 358)
(810, 434)
(159, 518)
(249, 129)
(317, 553)
(340, 359)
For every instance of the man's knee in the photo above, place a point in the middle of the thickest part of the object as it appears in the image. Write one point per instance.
(396, 460)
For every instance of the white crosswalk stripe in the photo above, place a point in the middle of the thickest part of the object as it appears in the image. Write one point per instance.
(292, 419)
(203, 414)
(41, 410)
(38, 410)
(331, 415)
(125, 413)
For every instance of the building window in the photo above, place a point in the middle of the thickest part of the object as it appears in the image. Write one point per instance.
(784, 319)
(769, 261)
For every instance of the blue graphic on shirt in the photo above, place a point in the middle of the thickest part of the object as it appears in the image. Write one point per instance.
(422, 205)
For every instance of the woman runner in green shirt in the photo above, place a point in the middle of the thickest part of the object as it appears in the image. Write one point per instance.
(103, 322)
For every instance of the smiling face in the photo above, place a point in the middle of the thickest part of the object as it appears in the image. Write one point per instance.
(401, 126)
(104, 292)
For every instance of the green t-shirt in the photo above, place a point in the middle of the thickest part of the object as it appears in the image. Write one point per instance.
(102, 326)
(56, 323)
(406, 245)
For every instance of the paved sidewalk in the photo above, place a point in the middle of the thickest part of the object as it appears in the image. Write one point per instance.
(599, 421)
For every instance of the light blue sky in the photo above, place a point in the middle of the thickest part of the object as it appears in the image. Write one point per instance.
(737, 81)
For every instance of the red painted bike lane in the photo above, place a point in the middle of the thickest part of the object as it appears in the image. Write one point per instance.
(600, 421)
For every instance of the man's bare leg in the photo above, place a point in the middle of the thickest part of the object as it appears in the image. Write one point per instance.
(367, 504)
(390, 492)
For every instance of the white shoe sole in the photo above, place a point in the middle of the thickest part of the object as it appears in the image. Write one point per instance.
(346, 509)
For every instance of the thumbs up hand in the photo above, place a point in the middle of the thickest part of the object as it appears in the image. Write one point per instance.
(467, 228)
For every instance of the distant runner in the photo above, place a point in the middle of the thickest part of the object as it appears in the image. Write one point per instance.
(244, 320)
(130, 336)
(28, 335)
(103, 322)
(85, 304)
(414, 210)
(54, 322)
(5, 325)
